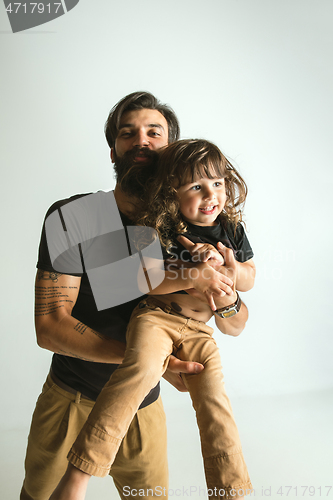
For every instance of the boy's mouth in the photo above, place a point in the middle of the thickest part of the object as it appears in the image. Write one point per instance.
(208, 210)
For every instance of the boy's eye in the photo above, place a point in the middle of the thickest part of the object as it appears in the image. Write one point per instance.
(196, 188)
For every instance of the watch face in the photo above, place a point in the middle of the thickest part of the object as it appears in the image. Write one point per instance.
(229, 314)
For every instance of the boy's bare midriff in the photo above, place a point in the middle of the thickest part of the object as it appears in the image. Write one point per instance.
(187, 305)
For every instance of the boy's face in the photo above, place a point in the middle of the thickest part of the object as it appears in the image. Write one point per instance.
(202, 201)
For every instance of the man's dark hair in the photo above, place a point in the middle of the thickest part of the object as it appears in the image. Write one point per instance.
(140, 100)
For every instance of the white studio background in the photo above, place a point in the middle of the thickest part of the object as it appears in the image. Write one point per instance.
(253, 76)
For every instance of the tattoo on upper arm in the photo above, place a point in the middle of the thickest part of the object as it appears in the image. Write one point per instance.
(49, 299)
(45, 309)
(46, 275)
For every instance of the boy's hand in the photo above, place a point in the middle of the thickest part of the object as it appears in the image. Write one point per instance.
(202, 252)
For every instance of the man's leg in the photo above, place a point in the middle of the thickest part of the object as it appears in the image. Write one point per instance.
(56, 422)
(141, 462)
(58, 419)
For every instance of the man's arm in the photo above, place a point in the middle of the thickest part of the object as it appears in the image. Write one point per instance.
(235, 325)
(245, 271)
(58, 331)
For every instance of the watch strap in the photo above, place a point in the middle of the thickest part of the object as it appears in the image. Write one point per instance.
(231, 310)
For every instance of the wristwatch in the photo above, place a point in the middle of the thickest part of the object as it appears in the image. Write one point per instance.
(231, 310)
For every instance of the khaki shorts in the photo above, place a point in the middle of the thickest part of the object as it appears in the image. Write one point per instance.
(141, 462)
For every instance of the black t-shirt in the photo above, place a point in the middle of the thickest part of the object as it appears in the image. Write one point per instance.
(85, 376)
(224, 232)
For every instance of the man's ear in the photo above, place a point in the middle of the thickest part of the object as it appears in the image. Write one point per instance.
(111, 155)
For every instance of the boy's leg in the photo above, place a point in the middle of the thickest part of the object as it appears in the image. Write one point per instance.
(224, 463)
(141, 462)
(149, 345)
(56, 422)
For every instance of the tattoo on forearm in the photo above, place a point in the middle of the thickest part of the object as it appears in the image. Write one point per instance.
(46, 275)
(99, 335)
(72, 355)
(80, 327)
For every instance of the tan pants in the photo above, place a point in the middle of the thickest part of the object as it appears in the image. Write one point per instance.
(57, 420)
(151, 337)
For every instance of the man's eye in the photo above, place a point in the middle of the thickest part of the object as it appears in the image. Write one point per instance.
(155, 134)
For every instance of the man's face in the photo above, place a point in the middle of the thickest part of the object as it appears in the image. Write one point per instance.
(141, 129)
(141, 133)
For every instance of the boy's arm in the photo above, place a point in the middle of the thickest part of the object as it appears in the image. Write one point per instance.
(204, 252)
(202, 277)
(246, 273)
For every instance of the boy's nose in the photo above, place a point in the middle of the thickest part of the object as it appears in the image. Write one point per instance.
(208, 195)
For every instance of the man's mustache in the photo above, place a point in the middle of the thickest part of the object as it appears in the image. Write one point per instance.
(129, 156)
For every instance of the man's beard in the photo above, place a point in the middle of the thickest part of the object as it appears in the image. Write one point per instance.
(133, 176)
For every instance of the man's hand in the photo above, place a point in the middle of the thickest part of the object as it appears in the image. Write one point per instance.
(229, 270)
(211, 283)
(230, 264)
(175, 367)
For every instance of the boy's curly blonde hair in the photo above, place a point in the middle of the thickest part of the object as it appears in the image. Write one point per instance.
(180, 163)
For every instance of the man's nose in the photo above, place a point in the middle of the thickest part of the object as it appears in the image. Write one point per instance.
(141, 140)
